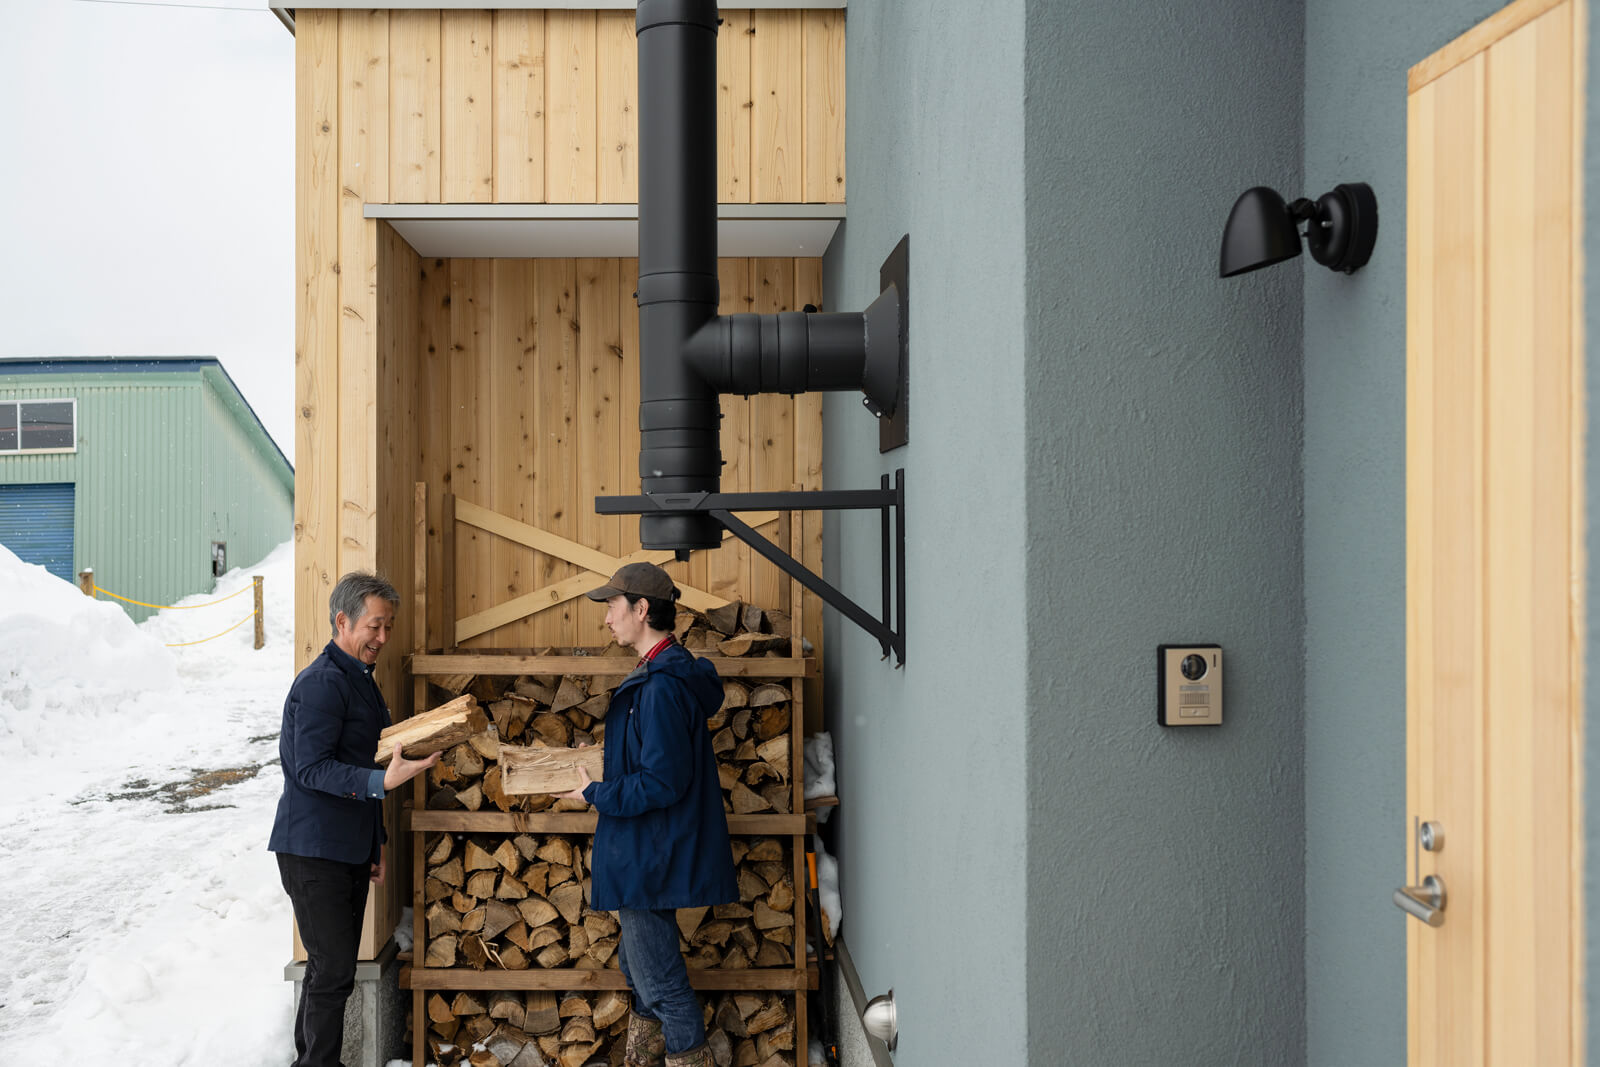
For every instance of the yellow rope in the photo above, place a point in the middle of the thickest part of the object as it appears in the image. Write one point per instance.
(213, 637)
(177, 607)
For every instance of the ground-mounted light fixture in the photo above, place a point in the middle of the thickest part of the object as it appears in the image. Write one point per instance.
(1341, 228)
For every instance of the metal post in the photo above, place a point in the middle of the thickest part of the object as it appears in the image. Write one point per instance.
(261, 618)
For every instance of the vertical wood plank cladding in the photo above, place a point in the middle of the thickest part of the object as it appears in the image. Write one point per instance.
(467, 122)
(777, 91)
(599, 425)
(728, 573)
(628, 397)
(555, 406)
(734, 105)
(471, 291)
(1529, 161)
(772, 432)
(570, 107)
(808, 473)
(617, 113)
(316, 356)
(433, 438)
(519, 66)
(364, 171)
(396, 435)
(507, 459)
(824, 107)
(414, 107)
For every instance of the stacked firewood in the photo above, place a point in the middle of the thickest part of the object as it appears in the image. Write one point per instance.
(547, 1029)
(521, 902)
(750, 733)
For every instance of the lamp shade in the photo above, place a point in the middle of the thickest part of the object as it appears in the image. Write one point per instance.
(1260, 232)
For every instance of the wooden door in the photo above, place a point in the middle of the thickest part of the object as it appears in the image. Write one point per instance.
(1494, 499)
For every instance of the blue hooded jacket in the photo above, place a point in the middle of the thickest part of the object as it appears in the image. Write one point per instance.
(662, 838)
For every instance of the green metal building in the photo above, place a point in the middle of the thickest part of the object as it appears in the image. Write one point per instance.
(154, 472)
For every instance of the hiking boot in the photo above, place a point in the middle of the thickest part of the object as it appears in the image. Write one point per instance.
(646, 1047)
(695, 1057)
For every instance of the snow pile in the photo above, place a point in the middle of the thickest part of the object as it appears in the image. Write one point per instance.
(146, 924)
(828, 887)
(819, 766)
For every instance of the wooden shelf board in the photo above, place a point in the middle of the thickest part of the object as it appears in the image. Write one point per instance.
(567, 979)
(426, 663)
(583, 822)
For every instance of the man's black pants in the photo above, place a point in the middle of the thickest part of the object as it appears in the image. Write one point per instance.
(329, 901)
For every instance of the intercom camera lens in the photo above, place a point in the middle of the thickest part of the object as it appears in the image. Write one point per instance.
(1193, 667)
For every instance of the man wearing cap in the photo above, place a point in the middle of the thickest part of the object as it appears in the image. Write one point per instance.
(661, 842)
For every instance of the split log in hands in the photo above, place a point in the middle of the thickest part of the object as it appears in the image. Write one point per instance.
(434, 731)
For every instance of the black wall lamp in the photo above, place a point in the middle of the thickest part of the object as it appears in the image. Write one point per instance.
(1341, 228)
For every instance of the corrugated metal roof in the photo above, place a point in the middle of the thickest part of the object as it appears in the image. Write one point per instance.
(83, 365)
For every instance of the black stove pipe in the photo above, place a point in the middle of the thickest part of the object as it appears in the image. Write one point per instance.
(688, 354)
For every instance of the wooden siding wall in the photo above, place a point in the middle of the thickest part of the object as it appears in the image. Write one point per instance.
(539, 106)
(530, 373)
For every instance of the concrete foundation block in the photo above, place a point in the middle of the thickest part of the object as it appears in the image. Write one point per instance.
(375, 1014)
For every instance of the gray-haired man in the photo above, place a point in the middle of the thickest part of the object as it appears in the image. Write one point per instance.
(329, 833)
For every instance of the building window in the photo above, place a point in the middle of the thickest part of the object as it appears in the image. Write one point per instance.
(38, 426)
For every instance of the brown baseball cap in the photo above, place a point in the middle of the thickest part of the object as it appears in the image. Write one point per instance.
(637, 579)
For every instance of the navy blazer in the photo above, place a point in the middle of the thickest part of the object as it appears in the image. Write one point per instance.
(662, 838)
(331, 722)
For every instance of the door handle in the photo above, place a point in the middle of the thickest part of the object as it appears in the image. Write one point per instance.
(1425, 901)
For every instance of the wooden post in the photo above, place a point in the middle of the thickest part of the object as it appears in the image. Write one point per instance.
(261, 618)
(86, 581)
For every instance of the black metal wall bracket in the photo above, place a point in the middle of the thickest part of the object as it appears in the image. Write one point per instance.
(889, 501)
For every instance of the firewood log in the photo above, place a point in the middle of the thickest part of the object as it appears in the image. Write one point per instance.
(548, 770)
(573, 692)
(725, 618)
(543, 1012)
(434, 730)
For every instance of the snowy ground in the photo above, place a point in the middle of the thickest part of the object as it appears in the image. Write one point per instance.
(145, 920)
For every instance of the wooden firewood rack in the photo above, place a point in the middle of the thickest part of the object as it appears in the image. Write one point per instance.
(425, 663)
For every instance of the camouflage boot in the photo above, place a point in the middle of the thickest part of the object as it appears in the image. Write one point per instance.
(646, 1046)
(695, 1057)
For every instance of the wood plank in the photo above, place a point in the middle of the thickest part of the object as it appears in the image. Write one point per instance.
(734, 106)
(555, 410)
(363, 178)
(600, 423)
(1477, 40)
(471, 334)
(316, 328)
(583, 822)
(419, 562)
(466, 171)
(628, 404)
(570, 165)
(433, 442)
(728, 568)
(519, 81)
(414, 107)
(571, 979)
(1529, 156)
(777, 93)
(772, 461)
(507, 437)
(823, 114)
(1458, 963)
(558, 593)
(808, 475)
(473, 662)
(528, 770)
(1577, 640)
(617, 111)
(397, 433)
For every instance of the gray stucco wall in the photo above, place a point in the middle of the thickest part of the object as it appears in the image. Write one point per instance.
(931, 834)
(1357, 56)
(1163, 413)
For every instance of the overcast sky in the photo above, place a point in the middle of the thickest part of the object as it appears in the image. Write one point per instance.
(148, 181)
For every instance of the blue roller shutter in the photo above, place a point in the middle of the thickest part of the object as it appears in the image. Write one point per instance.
(36, 524)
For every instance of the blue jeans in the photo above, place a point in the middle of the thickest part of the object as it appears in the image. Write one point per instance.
(650, 961)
